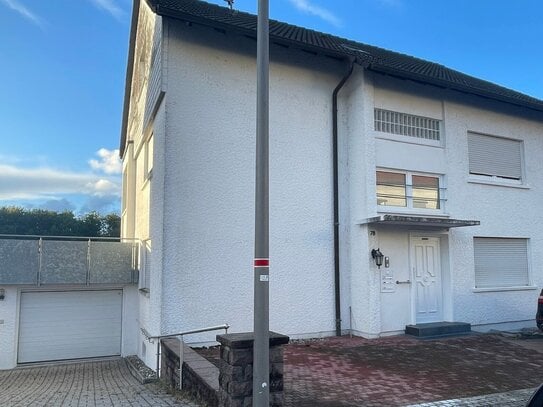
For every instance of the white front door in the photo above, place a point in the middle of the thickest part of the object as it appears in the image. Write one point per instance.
(426, 271)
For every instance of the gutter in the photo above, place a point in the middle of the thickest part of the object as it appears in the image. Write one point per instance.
(337, 293)
(520, 102)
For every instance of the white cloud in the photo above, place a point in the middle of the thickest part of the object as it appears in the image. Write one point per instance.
(111, 7)
(109, 162)
(307, 7)
(24, 11)
(102, 187)
(47, 183)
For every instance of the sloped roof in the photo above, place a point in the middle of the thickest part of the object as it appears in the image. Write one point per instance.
(370, 57)
(373, 58)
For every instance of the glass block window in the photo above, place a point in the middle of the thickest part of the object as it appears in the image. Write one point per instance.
(404, 124)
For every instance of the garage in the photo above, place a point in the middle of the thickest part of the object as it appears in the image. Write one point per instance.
(57, 325)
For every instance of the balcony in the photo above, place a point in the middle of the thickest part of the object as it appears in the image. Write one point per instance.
(39, 261)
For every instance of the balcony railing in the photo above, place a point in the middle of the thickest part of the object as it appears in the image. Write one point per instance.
(36, 260)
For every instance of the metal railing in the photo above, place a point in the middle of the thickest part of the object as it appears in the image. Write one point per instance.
(150, 338)
(39, 260)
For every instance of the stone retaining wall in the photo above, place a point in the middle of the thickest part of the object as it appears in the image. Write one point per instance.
(200, 377)
(236, 371)
(232, 386)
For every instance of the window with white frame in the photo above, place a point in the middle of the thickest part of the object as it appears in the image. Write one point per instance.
(500, 262)
(417, 127)
(495, 158)
(408, 190)
(148, 158)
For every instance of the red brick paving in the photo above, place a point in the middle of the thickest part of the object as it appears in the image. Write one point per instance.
(401, 370)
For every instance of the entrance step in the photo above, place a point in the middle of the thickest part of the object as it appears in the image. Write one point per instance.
(438, 329)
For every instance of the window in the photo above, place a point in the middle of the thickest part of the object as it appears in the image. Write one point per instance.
(148, 158)
(145, 265)
(124, 198)
(408, 190)
(500, 262)
(495, 157)
(404, 124)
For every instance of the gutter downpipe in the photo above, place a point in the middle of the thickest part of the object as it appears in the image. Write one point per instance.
(336, 194)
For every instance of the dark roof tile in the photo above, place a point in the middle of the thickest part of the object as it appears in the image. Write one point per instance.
(374, 58)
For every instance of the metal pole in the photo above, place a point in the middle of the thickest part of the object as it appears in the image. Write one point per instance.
(181, 359)
(261, 358)
(158, 358)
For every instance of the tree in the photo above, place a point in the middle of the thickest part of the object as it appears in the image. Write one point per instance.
(111, 225)
(19, 221)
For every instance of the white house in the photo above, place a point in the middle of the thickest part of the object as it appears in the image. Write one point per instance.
(369, 149)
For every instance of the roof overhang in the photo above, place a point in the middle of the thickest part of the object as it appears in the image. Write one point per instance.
(382, 61)
(222, 18)
(128, 76)
(419, 222)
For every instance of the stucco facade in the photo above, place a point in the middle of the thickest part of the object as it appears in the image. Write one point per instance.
(504, 210)
(197, 208)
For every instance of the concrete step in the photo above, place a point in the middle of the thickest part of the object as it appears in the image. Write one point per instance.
(438, 329)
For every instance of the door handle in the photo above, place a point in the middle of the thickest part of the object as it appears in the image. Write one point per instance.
(403, 282)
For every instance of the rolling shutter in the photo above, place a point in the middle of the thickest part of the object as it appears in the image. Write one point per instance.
(494, 156)
(500, 262)
(56, 325)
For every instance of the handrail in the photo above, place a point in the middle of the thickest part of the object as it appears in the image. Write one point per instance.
(78, 238)
(150, 338)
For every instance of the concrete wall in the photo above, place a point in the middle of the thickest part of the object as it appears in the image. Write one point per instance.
(8, 328)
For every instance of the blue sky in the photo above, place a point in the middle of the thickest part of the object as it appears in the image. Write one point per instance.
(63, 65)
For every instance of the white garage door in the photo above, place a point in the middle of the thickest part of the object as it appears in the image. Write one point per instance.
(57, 325)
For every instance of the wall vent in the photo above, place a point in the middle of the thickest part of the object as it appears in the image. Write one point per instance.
(404, 124)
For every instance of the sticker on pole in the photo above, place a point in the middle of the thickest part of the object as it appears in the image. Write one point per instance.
(264, 277)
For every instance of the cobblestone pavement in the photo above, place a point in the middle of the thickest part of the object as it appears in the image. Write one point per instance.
(400, 371)
(516, 398)
(96, 384)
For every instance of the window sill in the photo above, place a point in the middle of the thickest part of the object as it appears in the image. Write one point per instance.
(146, 182)
(498, 289)
(497, 183)
(430, 213)
(409, 140)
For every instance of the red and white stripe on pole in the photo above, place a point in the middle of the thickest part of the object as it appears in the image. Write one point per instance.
(262, 262)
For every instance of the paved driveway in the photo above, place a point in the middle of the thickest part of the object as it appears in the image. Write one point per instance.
(103, 383)
(400, 371)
